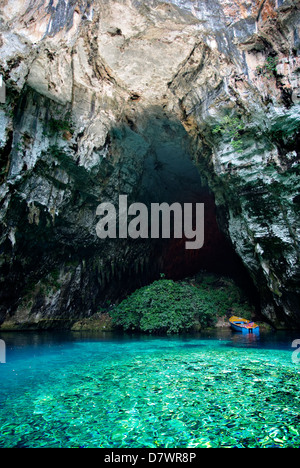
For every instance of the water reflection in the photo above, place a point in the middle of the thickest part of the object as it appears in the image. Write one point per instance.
(25, 344)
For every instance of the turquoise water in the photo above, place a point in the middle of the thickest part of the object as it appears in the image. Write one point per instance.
(213, 390)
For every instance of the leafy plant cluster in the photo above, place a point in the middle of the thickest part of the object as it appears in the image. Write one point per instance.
(231, 128)
(56, 126)
(269, 68)
(168, 307)
(224, 295)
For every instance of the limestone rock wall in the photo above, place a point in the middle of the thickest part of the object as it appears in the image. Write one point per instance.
(94, 89)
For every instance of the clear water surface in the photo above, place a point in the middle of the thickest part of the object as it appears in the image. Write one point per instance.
(219, 389)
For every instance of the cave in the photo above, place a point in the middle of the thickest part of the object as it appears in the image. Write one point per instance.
(151, 160)
(171, 175)
(119, 330)
(191, 113)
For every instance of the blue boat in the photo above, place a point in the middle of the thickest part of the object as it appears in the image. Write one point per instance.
(242, 325)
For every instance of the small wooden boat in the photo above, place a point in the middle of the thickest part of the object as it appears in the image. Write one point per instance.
(243, 325)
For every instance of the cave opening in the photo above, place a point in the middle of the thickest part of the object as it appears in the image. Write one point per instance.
(169, 175)
(149, 157)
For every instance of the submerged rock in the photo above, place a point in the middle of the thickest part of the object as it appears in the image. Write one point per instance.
(127, 97)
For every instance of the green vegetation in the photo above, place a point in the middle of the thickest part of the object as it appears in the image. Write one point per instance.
(8, 110)
(269, 68)
(56, 126)
(231, 128)
(175, 307)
